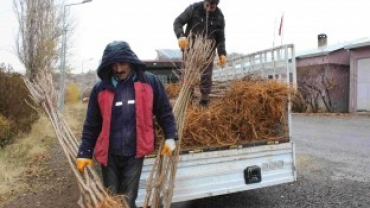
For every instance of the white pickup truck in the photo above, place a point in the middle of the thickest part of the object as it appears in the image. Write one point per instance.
(209, 172)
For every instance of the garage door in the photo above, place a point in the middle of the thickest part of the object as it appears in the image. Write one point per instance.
(363, 84)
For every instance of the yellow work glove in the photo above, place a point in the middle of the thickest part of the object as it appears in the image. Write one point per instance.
(222, 60)
(183, 43)
(169, 146)
(81, 162)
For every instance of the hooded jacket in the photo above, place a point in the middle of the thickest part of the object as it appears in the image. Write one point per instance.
(194, 17)
(150, 99)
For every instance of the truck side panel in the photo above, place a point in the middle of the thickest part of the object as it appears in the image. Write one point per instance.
(214, 173)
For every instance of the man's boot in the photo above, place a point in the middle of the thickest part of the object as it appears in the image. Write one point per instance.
(204, 103)
(204, 100)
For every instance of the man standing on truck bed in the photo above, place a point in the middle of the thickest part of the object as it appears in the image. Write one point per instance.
(207, 19)
(119, 123)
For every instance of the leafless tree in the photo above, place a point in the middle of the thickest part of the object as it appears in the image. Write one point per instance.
(38, 43)
(6, 68)
(316, 86)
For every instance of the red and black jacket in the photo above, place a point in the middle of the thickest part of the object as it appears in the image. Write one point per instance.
(150, 99)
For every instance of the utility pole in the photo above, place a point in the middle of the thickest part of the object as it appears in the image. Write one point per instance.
(63, 61)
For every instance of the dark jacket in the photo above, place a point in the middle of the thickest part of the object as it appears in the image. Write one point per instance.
(102, 118)
(194, 17)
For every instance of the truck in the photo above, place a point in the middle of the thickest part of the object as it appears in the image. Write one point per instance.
(206, 172)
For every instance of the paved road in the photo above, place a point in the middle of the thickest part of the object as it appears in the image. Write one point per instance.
(333, 166)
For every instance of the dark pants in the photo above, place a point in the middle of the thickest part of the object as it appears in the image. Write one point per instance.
(206, 80)
(122, 176)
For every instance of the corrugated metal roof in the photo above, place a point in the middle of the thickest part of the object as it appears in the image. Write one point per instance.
(321, 51)
(334, 47)
(169, 54)
(363, 42)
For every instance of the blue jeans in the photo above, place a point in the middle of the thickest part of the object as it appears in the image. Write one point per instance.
(122, 176)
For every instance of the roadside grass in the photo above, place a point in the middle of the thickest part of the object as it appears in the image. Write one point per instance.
(75, 117)
(27, 156)
(22, 158)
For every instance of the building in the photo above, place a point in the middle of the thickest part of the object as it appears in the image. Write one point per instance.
(168, 71)
(335, 78)
(167, 66)
(359, 83)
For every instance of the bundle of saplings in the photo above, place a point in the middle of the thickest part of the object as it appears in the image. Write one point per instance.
(245, 112)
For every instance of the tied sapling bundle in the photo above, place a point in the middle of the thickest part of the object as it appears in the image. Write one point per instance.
(161, 179)
(93, 194)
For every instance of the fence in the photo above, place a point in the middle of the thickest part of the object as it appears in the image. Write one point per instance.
(276, 63)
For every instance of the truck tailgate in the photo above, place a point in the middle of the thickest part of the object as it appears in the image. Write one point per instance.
(205, 174)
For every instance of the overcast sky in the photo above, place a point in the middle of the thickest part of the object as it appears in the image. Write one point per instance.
(147, 25)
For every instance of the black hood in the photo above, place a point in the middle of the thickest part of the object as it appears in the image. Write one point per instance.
(118, 51)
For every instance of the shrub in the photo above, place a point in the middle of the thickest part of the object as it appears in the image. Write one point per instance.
(299, 104)
(72, 93)
(13, 106)
(5, 133)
